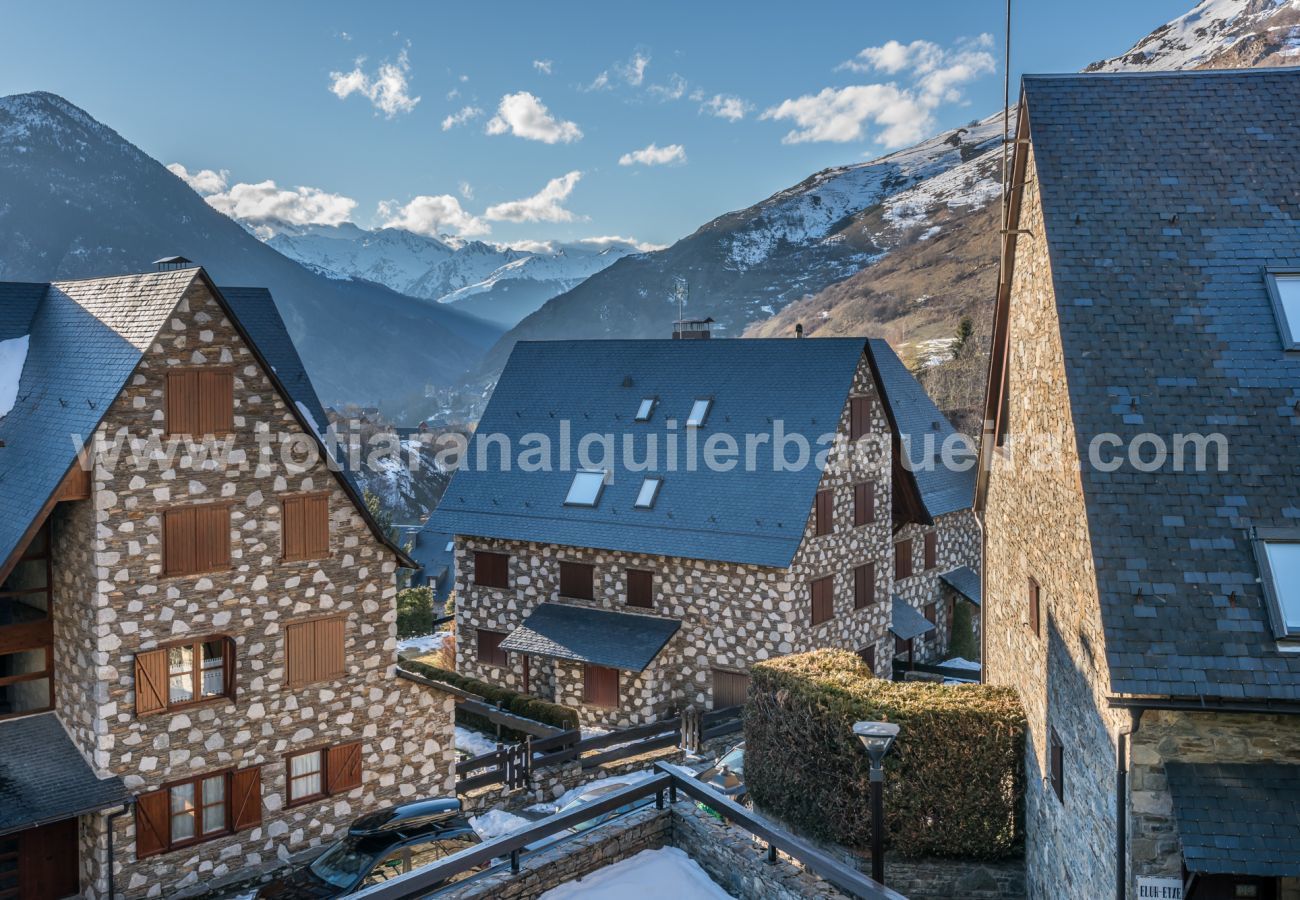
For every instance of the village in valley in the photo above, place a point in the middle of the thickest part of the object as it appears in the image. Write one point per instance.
(988, 601)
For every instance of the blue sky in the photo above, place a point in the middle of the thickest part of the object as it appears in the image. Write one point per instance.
(322, 97)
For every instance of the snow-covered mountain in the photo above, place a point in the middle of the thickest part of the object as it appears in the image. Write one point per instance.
(498, 283)
(1218, 34)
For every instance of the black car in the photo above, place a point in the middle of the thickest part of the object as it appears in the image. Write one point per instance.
(378, 847)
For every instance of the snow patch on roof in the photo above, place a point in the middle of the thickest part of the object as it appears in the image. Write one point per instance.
(13, 356)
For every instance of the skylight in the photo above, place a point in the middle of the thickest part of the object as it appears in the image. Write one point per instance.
(699, 413)
(1284, 288)
(646, 409)
(645, 498)
(586, 487)
(1278, 552)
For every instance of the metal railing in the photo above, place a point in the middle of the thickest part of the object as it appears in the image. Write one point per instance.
(665, 785)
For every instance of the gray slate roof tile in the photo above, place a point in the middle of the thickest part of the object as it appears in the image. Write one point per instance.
(1241, 819)
(604, 638)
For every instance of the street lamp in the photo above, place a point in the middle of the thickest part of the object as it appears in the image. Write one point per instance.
(877, 737)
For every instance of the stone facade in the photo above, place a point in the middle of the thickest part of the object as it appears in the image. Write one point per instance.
(112, 602)
(732, 615)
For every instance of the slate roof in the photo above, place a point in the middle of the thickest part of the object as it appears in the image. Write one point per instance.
(44, 779)
(754, 516)
(1241, 819)
(965, 581)
(618, 640)
(906, 622)
(1164, 197)
(433, 552)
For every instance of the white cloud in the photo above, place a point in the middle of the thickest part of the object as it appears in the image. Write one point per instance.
(547, 205)
(204, 181)
(460, 118)
(265, 203)
(614, 240)
(525, 116)
(530, 246)
(599, 83)
(543, 66)
(386, 90)
(432, 216)
(733, 109)
(675, 89)
(467, 190)
(633, 71)
(904, 114)
(654, 156)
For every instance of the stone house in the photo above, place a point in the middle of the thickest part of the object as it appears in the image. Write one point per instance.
(695, 538)
(1142, 601)
(197, 634)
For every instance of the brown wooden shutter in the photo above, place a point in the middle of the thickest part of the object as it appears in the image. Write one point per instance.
(824, 523)
(577, 580)
(859, 417)
(152, 823)
(212, 537)
(292, 539)
(823, 604)
(864, 503)
(318, 525)
(245, 793)
(868, 657)
(179, 556)
(228, 661)
(216, 402)
(491, 569)
(329, 649)
(343, 768)
(931, 550)
(1035, 595)
(600, 686)
(931, 614)
(729, 689)
(489, 648)
(314, 651)
(903, 559)
(305, 527)
(150, 682)
(640, 588)
(864, 585)
(180, 402)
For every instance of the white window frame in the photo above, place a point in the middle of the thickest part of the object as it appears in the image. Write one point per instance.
(654, 492)
(573, 485)
(649, 413)
(691, 420)
(1260, 539)
(1288, 331)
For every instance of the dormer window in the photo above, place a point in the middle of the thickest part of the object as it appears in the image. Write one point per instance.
(645, 498)
(586, 487)
(699, 413)
(1277, 550)
(1284, 291)
(646, 409)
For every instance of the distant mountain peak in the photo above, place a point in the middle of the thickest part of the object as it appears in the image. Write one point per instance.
(1217, 34)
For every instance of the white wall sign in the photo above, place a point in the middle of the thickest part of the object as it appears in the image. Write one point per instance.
(1160, 889)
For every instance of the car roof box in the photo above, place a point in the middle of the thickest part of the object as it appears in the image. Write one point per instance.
(409, 816)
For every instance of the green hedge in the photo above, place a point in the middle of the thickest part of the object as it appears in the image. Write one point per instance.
(954, 780)
(511, 701)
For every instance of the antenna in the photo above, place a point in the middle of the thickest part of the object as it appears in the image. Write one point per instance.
(681, 289)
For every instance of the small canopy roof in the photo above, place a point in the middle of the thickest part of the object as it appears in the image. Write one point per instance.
(965, 581)
(618, 640)
(1240, 819)
(907, 623)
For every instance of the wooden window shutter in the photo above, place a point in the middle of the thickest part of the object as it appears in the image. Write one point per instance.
(868, 657)
(314, 651)
(864, 503)
(181, 402)
(152, 823)
(292, 538)
(150, 682)
(729, 689)
(600, 686)
(329, 649)
(489, 648)
(343, 768)
(179, 554)
(931, 550)
(931, 614)
(859, 417)
(305, 527)
(216, 402)
(212, 537)
(903, 559)
(864, 585)
(1035, 607)
(228, 658)
(824, 523)
(640, 588)
(577, 580)
(245, 792)
(823, 599)
(491, 569)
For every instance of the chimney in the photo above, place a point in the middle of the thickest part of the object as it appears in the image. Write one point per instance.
(169, 263)
(798, 329)
(691, 329)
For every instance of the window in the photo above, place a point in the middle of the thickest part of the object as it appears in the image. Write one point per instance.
(823, 512)
(903, 647)
(1277, 552)
(699, 413)
(491, 569)
(931, 613)
(314, 651)
(489, 648)
(645, 498)
(196, 539)
(864, 503)
(1057, 764)
(323, 772)
(1284, 292)
(931, 549)
(26, 632)
(868, 657)
(586, 487)
(181, 674)
(903, 560)
(305, 529)
(600, 686)
(197, 809)
(577, 580)
(646, 409)
(199, 401)
(640, 588)
(859, 417)
(729, 689)
(823, 599)
(1035, 610)
(864, 585)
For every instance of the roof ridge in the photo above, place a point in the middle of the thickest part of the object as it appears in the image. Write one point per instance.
(170, 272)
(1157, 73)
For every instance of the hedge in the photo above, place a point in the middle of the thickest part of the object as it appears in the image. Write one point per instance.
(511, 701)
(954, 779)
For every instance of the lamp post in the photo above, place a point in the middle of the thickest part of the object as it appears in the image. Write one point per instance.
(877, 737)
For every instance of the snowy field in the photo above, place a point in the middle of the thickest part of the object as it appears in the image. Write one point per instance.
(473, 742)
(424, 644)
(650, 875)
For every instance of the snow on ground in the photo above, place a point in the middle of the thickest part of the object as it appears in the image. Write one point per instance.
(650, 875)
(496, 822)
(473, 742)
(13, 355)
(934, 351)
(958, 662)
(626, 780)
(424, 644)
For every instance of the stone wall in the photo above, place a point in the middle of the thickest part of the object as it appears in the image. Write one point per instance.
(115, 602)
(1036, 527)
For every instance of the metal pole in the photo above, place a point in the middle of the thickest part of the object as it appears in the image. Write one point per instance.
(878, 824)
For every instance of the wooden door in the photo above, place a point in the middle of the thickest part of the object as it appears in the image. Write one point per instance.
(40, 863)
(729, 689)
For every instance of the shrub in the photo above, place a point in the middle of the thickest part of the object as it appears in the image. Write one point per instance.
(414, 611)
(954, 780)
(511, 701)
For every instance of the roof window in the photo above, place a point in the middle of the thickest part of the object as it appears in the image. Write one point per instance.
(699, 413)
(586, 487)
(1277, 550)
(645, 498)
(646, 409)
(1284, 291)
